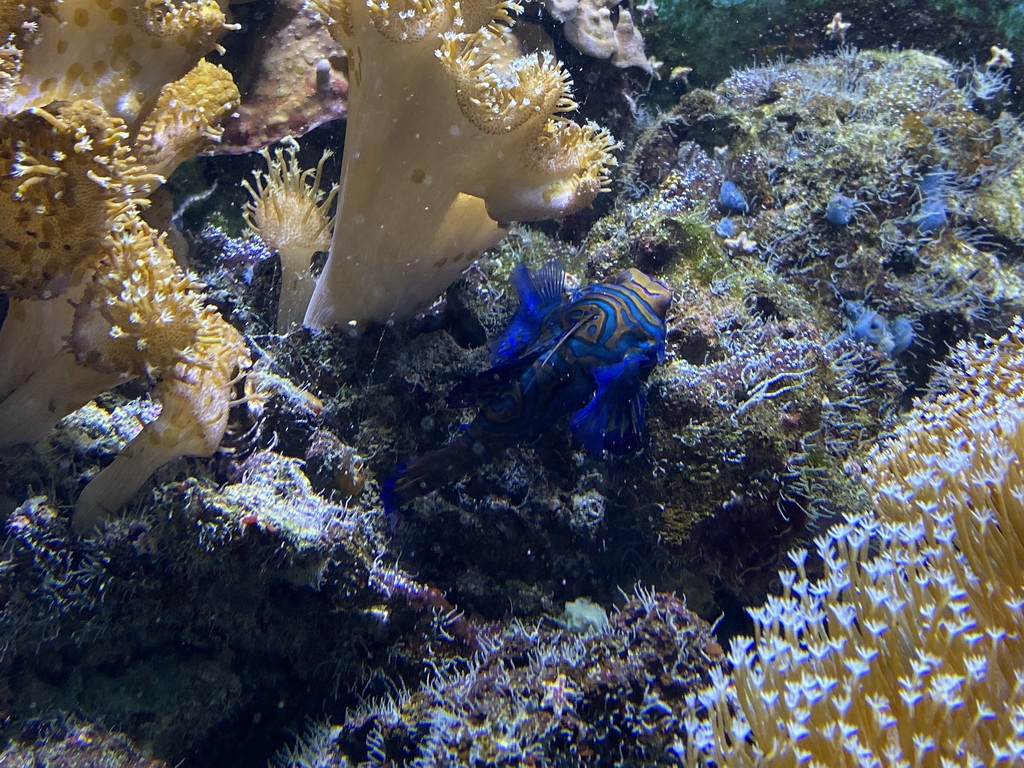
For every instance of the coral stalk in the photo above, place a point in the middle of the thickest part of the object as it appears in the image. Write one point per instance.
(290, 213)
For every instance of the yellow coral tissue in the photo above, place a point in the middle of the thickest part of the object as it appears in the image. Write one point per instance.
(452, 135)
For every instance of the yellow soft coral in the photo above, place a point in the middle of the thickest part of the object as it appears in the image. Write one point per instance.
(96, 297)
(10, 69)
(452, 134)
(195, 398)
(65, 174)
(290, 213)
(957, 458)
(137, 60)
(908, 649)
(140, 315)
(185, 121)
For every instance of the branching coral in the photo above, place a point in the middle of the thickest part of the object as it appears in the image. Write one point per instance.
(290, 213)
(907, 650)
(452, 135)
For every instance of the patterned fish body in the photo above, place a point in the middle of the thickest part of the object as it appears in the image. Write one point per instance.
(586, 356)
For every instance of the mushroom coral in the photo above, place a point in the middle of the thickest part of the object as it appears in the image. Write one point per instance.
(452, 134)
(907, 651)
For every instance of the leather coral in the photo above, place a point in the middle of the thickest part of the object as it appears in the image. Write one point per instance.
(139, 60)
(97, 102)
(452, 134)
(65, 177)
(141, 316)
(291, 214)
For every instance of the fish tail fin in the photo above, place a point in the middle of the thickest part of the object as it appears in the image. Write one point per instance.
(428, 473)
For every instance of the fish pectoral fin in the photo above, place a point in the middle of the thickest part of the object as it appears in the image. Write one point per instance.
(538, 292)
(613, 420)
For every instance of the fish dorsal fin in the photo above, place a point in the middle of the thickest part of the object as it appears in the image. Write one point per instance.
(538, 292)
(548, 285)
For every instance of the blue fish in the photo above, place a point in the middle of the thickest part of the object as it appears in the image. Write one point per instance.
(585, 356)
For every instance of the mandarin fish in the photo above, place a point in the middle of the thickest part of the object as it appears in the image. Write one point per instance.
(585, 356)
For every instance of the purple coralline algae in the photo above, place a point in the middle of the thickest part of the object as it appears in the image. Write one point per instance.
(537, 694)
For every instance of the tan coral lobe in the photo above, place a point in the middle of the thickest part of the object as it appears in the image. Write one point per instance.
(65, 172)
(140, 315)
(195, 399)
(452, 134)
(109, 50)
(185, 121)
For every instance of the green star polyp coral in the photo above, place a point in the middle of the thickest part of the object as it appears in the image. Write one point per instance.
(452, 134)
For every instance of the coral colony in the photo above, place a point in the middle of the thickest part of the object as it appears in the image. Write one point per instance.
(429, 83)
(744, 482)
(96, 297)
